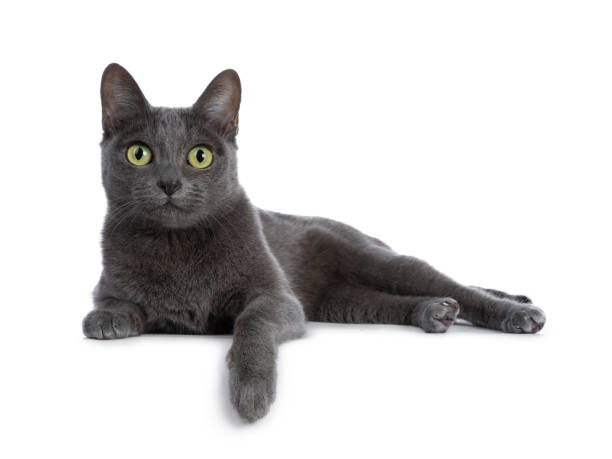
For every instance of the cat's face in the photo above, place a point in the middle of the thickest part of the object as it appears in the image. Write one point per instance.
(172, 167)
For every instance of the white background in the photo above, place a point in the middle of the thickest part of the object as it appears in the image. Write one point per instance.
(475, 135)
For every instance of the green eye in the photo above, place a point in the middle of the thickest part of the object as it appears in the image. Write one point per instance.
(139, 154)
(200, 157)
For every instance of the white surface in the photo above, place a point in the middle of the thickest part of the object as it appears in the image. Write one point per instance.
(474, 135)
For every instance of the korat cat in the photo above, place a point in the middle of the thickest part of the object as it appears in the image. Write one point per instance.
(184, 251)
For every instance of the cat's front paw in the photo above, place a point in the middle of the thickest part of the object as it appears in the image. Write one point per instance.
(435, 315)
(524, 319)
(109, 324)
(251, 395)
(252, 387)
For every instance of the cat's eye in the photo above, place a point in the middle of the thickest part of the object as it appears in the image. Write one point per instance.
(200, 157)
(139, 154)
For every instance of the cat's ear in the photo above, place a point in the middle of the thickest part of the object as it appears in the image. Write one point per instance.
(122, 99)
(220, 101)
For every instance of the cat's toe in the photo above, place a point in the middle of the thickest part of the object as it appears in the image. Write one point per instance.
(436, 315)
(524, 319)
(103, 324)
(251, 395)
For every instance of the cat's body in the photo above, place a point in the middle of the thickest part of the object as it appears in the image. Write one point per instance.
(185, 251)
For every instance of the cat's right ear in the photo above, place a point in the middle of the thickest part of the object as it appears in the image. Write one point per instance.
(122, 99)
(220, 102)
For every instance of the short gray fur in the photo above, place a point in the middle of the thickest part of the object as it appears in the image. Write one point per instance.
(204, 260)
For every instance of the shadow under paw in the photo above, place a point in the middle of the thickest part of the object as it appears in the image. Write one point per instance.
(436, 315)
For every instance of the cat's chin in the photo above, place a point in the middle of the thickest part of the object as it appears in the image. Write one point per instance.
(174, 217)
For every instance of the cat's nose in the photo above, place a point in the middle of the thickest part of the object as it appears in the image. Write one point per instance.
(169, 186)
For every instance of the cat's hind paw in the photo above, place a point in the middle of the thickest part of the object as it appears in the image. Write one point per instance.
(435, 315)
(524, 319)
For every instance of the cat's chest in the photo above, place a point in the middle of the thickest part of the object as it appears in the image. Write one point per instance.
(173, 274)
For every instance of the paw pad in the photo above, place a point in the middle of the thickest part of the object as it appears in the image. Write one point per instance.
(524, 320)
(436, 315)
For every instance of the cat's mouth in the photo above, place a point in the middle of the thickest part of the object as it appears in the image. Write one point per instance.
(171, 203)
(172, 213)
(171, 208)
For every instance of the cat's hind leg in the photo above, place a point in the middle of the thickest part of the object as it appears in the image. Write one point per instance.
(348, 303)
(404, 275)
(345, 254)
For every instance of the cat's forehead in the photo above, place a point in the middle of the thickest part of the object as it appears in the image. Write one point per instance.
(172, 121)
(171, 125)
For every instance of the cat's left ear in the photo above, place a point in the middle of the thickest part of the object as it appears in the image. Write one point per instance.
(220, 102)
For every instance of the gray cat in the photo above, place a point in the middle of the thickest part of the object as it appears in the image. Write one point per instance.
(184, 250)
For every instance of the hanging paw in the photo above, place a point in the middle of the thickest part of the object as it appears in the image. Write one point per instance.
(251, 395)
(524, 319)
(435, 315)
(252, 383)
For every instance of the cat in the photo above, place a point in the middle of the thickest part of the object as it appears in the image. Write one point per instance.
(185, 251)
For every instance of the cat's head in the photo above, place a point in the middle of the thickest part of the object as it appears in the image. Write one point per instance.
(173, 167)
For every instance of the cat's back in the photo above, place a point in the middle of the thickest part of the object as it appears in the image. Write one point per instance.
(311, 249)
(295, 231)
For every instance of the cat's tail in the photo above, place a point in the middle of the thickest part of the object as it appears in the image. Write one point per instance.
(499, 294)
